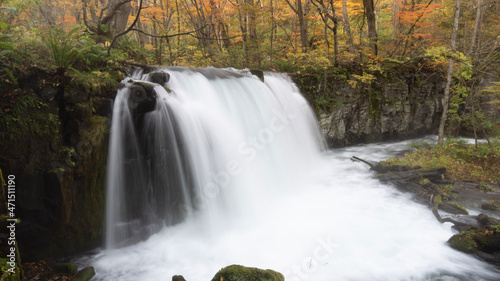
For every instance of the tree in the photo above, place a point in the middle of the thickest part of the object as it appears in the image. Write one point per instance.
(477, 24)
(446, 97)
(372, 27)
(327, 12)
(111, 19)
(301, 12)
(347, 26)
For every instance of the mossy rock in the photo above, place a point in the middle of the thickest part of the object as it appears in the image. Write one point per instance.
(66, 268)
(453, 208)
(178, 278)
(489, 206)
(85, 274)
(464, 242)
(242, 273)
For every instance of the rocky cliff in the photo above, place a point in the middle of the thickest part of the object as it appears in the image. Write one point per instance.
(400, 109)
(54, 137)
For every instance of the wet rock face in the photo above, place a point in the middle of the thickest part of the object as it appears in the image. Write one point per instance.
(159, 77)
(59, 164)
(142, 98)
(402, 109)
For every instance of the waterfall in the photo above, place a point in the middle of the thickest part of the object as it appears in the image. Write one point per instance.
(215, 141)
(217, 167)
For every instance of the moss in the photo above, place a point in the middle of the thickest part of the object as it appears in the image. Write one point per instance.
(29, 117)
(464, 243)
(85, 274)
(453, 208)
(424, 181)
(242, 273)
(67, 268)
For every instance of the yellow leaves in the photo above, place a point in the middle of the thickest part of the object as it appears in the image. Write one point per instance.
(149, 47)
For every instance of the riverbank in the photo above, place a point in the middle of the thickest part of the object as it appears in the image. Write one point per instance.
(449, 179)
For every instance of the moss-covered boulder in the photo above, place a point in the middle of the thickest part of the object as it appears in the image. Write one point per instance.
(481, 241)
(85, 274)
(242, 273)
(464, 242)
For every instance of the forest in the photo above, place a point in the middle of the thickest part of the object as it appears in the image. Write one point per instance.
(350, 39)
(264, 34)
(372, 70)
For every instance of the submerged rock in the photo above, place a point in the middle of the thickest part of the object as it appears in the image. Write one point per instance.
(242, 273)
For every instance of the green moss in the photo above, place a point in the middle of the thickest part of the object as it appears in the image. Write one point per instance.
(67, 268)
(463, 162)
(464, 243)
(242, 273)
(424, 181)
(29, 117)
(454, 208)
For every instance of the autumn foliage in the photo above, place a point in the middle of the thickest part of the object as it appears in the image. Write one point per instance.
(256, 33)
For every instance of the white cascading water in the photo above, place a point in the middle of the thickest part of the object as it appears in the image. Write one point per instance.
(228, 169)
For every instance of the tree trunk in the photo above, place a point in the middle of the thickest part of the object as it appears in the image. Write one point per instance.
(302, 26)
(273, 26)
(347, 26)
(395, 21)
(477, 24)
(446, 97)
(301, 13)
(372, 27)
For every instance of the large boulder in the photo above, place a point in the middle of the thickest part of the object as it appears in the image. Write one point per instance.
(242, 273)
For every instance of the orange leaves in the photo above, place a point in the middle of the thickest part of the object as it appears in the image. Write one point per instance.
(410, 14)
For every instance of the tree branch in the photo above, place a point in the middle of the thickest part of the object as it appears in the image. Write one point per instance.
(168, 36)
(292, 7)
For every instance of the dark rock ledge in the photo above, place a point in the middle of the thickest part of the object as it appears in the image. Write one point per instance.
(478, 235)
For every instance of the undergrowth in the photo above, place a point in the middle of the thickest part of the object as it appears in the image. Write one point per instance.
(463, 162)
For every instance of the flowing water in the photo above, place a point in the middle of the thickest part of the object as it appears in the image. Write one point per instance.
(231, 170)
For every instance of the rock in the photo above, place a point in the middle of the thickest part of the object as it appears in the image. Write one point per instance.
(464, 243)
(80, 111)
(487, 206)
(142, 98)
(178, 278)
(84, 274)
(66, 268)
(453, 208)
(159, 77)
(258, 73)
(242, 273)
(48, 93)
(103, 106)
(76, 95)
(486, 220)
